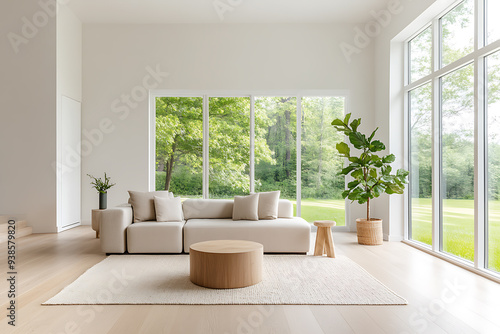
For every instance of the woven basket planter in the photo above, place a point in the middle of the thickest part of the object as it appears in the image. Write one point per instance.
(370, 232)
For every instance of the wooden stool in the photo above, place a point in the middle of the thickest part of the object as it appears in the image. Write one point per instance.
(324, 240)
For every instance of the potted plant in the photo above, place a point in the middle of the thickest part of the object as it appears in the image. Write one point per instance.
(371, 176)
(102, 187)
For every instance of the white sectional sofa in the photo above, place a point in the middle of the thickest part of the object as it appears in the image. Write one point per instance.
(204, 219)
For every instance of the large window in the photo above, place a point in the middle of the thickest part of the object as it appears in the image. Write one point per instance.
(492, 22)
(493, 167)
(179, 145)
(217, 146)
(457, 32)
(452, 90)
(421, 164)
(275, 145)
(229, 146)
(457, 155)
(322, 187)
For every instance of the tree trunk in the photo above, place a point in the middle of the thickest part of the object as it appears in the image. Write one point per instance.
(288, 155)
(368, 209)
(170, 167)
(320, 155)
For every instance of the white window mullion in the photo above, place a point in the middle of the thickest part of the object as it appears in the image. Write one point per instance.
(480, 24)
(480, 156)
(436, 138)
(407, 159)
(480, 197)
(299, 154)
(205, 147)
(252, 144)
(436, 166)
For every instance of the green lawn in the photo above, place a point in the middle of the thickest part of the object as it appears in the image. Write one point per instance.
(458, 228)
(319, 209)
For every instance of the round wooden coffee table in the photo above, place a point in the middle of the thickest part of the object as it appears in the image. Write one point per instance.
(226, 264)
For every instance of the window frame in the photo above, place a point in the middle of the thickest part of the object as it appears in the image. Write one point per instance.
(252, 94)
(478, 58)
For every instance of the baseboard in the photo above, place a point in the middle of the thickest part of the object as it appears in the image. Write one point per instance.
(67, 227)
(392, 238)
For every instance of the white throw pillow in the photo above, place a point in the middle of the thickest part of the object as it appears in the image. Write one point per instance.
(168, 209)
(143, 204)
(268, 204)
(246, 207)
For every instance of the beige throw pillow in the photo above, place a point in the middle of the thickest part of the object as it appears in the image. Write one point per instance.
(268, 204)
(168, 209)
(143, 204)
(246, 207)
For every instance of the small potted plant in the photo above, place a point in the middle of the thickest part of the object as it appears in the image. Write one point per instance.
(102, 187)
(371, 176)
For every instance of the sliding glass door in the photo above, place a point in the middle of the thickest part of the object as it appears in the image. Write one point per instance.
(229, 146)
(275, 145)
(179, 145)
(322, 187)
(222, 146)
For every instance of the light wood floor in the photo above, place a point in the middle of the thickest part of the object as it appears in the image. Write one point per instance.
(442, 298)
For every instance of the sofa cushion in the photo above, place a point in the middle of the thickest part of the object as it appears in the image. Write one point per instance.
(143, 204)
(285, 209)
(246, 207)
(168, 209)
(282, 235)
(268, 204)
(207, 208)
(155, 237)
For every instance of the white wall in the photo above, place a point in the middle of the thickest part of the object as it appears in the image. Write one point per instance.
(389, 59)
(28, 115)
(69, 80)
(232, 57)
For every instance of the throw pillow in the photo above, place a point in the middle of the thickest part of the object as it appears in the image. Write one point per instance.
(168, 209)
(143, 204)
(268, 204)
(246, 207)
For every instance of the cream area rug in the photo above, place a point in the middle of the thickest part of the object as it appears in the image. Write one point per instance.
(287, 279)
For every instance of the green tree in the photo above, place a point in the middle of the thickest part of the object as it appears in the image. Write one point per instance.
(179, 135)
(276, 128)
(320, 161)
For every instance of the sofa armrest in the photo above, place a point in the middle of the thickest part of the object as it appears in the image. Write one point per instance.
(285, 209)
(113, 229)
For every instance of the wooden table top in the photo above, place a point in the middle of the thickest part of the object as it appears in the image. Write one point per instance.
(226, 246)
(325, 223)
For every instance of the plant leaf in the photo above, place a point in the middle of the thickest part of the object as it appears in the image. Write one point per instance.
(346, 170)
(346, 119)
(338, 122)
(372, 135)
(389, 159)
(376, 146)
(354, 124)
(343, 149)
(358, 174)
(357, 140)
(353, 184)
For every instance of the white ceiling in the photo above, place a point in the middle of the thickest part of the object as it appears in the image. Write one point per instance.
(242, 11)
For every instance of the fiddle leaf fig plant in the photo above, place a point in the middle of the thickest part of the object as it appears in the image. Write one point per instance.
(371, 173)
